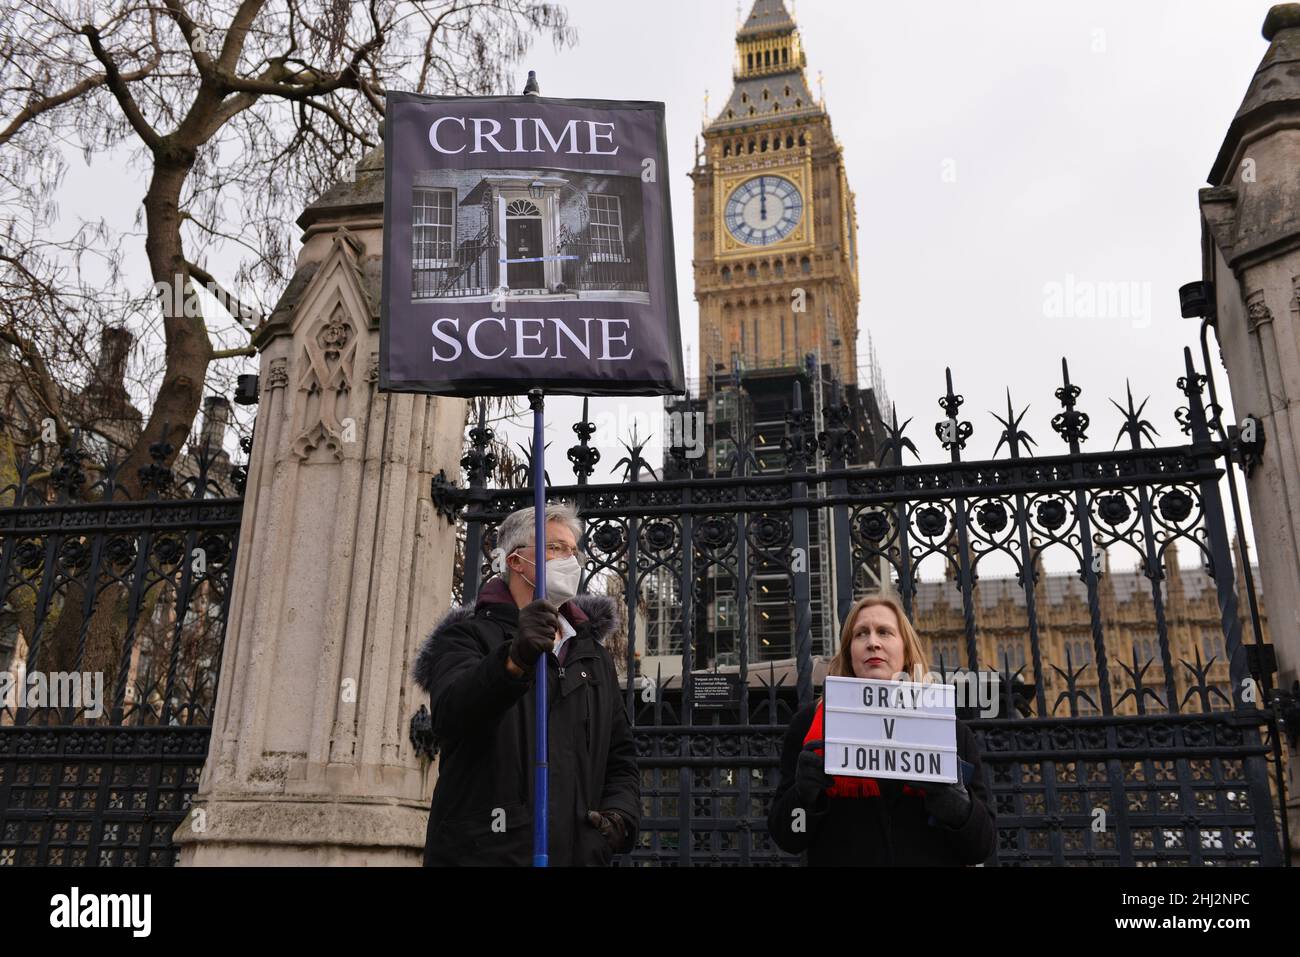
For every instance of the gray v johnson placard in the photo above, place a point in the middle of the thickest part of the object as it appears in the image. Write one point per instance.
(527, 244)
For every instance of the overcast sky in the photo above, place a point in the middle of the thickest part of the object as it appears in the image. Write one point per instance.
(995, 149)
(1078, 135)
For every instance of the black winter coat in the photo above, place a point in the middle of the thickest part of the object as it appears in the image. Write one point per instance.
(483, 720)
(889, 829)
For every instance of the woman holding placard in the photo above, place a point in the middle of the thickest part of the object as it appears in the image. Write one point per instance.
(842, 820)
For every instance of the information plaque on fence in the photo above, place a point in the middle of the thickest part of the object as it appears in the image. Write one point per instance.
(891, 729)
(712, 690)
(527, 243)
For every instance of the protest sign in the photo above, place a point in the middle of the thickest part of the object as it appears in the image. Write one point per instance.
(527, 244)
(891, 729)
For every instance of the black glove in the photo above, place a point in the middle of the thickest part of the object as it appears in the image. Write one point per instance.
(810, 777)
(612, 827)
(538, 622)
(949, 804)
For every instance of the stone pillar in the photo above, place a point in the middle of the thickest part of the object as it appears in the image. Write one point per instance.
(343, 566)
(1251, 243)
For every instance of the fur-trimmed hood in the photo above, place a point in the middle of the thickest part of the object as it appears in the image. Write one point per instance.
(599, 612)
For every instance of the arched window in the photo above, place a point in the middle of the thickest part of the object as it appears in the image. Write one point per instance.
(778, 268)
(789, 142)
(763, 146)
(805, 266)
(522, 207)
(726, 149)
(749, 60)
(802, 140)
(767, 58)
(765, 96)
(751, 271)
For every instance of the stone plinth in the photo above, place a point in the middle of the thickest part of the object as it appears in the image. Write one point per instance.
(343, 566)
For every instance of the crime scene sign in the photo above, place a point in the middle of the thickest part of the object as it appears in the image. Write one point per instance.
(527, 244)
(891, 729)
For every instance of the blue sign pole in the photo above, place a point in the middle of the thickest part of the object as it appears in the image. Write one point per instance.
(541, 775)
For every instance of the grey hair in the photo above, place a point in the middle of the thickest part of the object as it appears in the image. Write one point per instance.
(516, 529)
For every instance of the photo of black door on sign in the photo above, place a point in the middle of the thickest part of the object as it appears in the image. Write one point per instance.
(524, 241)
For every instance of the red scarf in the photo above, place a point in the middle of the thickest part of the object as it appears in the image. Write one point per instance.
(845, 785)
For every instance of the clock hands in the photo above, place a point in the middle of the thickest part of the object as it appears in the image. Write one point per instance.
(762, 231)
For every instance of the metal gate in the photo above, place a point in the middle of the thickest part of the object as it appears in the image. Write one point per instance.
(1091, 759)
(1176, 765)
(113, 620)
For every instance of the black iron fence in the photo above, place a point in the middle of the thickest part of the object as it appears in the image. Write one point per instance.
(1126, 754)
(473, 271)
(585, 266)
(1099, 753)
(114, 611)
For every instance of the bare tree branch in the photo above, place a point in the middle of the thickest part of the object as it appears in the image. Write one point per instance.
(117, 84)
(239, 112)
(233, 353)
(45, 104)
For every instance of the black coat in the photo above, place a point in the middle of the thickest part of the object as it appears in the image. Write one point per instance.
(483, 720)
(889, 829)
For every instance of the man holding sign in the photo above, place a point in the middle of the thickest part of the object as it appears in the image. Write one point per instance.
(527, 250)
(481, 667)
(879, 771)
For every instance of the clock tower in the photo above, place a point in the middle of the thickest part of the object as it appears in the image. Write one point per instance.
(776, 277)
(776, 270)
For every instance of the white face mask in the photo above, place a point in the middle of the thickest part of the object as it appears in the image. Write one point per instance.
(562, 577)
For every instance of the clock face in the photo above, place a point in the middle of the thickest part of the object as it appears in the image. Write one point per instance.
(763, 210)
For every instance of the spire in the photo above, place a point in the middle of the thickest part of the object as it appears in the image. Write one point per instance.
(1274, 88)
(767, 43)
(1173, 572)
(767, 16)
(769, 70)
